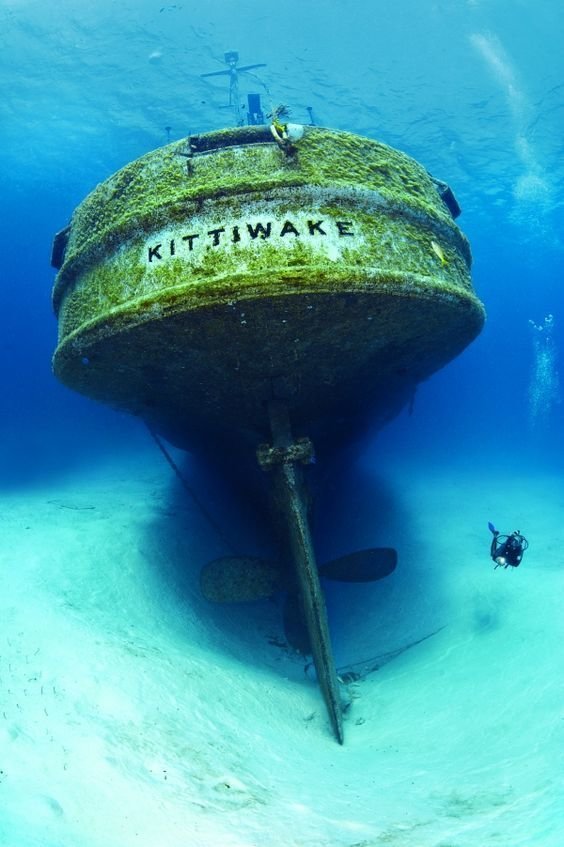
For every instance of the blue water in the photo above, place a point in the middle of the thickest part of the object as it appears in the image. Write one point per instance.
(473, 89)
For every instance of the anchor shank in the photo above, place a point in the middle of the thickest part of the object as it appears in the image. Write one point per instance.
(291, 499)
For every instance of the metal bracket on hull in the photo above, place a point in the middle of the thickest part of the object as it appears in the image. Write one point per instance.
(290, 498)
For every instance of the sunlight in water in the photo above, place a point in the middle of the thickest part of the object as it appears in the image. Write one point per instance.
(544, 385)
(531, 190)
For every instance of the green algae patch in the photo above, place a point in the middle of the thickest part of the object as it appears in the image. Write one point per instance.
(159, 188)
(390, 249)
(206, 273)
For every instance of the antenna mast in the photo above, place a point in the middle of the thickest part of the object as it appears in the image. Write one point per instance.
(233, 71)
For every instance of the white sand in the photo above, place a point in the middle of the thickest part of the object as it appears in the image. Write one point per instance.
(134, 713)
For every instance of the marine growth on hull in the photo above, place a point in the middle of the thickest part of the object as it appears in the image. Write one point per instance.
(238, 287)
(219, 271)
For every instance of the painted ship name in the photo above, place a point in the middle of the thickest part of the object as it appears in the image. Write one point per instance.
(248, 233)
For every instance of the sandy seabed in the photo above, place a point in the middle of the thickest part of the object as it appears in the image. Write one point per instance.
(132, 712)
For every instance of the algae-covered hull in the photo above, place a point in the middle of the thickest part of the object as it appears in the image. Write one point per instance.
(221, 272)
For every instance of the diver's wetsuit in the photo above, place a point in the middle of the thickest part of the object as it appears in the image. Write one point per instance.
(507, 550)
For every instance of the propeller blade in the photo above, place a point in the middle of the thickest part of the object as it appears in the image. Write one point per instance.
(362, 566)
(243, 579)
(239, 579)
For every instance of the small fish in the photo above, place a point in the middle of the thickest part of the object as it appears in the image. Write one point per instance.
(438, 251)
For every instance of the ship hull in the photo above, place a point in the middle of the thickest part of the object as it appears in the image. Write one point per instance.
(331, 277)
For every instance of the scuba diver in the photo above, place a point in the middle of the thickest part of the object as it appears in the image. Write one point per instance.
(507, 550)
